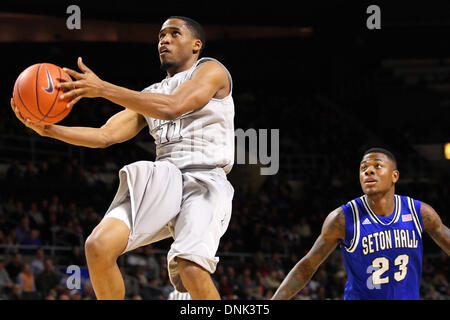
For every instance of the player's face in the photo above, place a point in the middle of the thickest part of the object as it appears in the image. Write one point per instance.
(377, 173)
(176, 44)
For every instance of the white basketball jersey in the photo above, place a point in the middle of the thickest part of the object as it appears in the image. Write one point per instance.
(199, 139)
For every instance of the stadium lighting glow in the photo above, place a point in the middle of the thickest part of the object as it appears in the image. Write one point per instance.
(447, 151)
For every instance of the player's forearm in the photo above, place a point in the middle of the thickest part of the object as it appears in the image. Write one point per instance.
(79, 136)
(155, 105)
(295, 281)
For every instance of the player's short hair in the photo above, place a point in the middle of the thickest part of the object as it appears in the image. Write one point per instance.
(389, 154)
(196, 29)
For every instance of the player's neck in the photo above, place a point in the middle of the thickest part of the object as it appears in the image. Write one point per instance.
(182, 67)
(382, 204)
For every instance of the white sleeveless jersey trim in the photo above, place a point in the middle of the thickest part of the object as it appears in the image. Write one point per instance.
(374, 216)
(206, 59)
(416, 220)
(356, 232)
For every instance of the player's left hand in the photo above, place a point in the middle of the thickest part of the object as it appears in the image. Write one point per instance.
(87, 84)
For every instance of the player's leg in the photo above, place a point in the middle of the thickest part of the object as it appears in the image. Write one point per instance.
(154, 189)
(105, 244)
(203, 219)
(197, 280)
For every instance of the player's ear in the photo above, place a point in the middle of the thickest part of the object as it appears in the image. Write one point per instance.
(395, 175)
(196, 45)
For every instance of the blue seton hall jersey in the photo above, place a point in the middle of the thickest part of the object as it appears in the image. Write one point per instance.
(383, 254)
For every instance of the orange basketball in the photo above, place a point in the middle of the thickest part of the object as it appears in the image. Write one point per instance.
(36, 96)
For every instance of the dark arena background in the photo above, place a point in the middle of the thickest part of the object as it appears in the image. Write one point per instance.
(313, 70)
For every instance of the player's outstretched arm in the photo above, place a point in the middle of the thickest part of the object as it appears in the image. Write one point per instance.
(433, 225)
(119, 128)
(206, 81)
(333, 230)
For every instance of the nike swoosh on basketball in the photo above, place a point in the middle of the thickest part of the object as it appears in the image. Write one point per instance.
(50, 87)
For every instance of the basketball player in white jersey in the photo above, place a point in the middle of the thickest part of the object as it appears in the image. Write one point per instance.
(184, 193)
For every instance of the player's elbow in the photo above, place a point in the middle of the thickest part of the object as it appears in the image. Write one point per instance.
(178, 105)
(104, 144)
(169, 115)
(171, 112)
(104, 140)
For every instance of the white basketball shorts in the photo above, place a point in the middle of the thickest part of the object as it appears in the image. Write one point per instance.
(156, 201)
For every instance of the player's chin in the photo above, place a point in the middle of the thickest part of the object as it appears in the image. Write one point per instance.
(369, 190)
(166, 64)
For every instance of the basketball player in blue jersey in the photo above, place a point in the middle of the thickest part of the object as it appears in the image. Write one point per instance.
(184, 193)
(380, 235)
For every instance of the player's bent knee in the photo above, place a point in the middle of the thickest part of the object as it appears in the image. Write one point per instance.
(98, 247)
(108, 240)
(94, 247)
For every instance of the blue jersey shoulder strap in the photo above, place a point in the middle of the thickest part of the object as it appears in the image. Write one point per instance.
(352, 228)
(414, 207)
